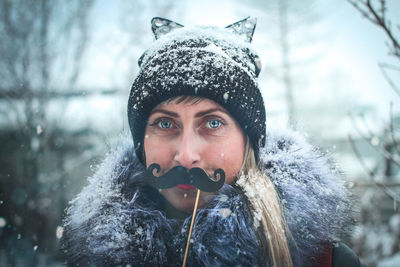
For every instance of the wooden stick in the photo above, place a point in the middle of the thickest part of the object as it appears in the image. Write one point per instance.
(191, 227)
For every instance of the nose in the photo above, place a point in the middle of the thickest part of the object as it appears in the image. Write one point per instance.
(187, 152)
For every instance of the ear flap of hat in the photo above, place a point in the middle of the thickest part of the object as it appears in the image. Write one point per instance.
(161, 26)
(244, 28)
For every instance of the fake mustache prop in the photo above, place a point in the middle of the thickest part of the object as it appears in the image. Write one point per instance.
(180, 175)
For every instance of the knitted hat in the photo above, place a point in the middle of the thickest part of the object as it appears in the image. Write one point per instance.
(208, 62)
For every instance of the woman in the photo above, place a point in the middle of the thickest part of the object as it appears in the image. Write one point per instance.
(196, 104)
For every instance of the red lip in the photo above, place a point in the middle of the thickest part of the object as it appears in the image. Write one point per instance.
(186, 186)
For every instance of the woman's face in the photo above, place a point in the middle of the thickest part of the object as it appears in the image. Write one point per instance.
(188, 134)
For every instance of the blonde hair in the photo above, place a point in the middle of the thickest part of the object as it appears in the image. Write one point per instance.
(269, 223)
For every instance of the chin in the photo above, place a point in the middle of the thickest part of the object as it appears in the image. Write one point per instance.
(176, 198)
(186, 205)
(186, 209)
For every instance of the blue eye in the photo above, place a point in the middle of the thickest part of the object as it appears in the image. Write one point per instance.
(213, 124)
(164, 124)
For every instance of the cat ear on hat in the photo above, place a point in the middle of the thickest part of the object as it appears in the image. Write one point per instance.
(162, 26)
(245, 28)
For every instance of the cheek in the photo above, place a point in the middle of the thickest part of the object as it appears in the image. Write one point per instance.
(227, 155)
(157, 151)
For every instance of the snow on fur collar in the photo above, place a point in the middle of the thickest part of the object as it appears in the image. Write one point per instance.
(117, 219)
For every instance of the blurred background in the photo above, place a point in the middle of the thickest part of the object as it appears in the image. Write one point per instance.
(330, 70)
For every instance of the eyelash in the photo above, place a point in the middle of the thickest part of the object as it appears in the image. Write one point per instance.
(157, 123)
(160, 120)
(208, 120)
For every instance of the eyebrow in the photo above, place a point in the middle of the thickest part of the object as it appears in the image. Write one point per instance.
(170, 113)
(202, 113)
(197, 115)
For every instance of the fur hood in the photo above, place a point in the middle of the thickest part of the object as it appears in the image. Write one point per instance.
(117, 219)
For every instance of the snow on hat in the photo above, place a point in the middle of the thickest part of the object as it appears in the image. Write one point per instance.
(209, 62)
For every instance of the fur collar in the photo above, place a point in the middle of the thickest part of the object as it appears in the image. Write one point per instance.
(117, 219)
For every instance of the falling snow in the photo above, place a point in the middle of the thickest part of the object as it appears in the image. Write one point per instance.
(59, 232)
(3, 222)
(39, 130)
(226, 96)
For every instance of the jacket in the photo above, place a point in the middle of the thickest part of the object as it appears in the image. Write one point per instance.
(117, 219)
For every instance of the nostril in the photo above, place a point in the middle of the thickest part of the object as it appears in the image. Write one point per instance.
(186, 158)
(185, 161)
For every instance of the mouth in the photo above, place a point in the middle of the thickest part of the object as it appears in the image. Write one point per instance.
(186, 186)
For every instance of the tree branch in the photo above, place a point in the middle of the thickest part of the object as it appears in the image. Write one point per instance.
(371, 174)
(372, 15)
(383, 67)
(381, 149)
